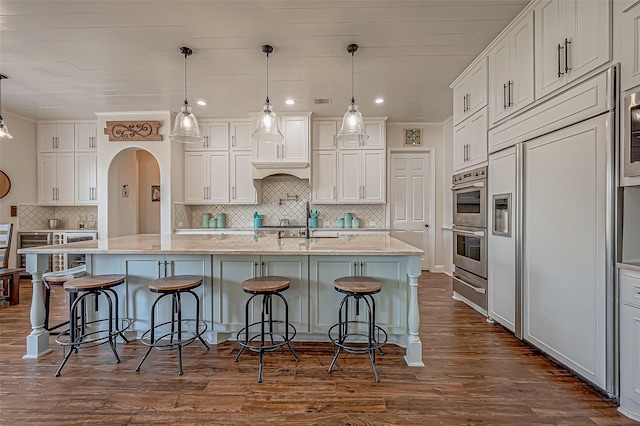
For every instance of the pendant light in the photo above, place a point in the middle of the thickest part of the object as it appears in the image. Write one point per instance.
(4, 130)
(185, 128)
(267, 128)
(352, 124)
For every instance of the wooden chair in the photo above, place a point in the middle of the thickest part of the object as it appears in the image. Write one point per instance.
(5, 243)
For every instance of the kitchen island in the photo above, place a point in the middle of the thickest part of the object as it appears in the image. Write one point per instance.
(224, 261)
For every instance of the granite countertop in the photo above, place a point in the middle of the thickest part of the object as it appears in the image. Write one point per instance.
(252, 230)
(236, 244)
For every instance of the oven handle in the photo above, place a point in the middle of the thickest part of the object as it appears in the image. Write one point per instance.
(476, 233)
(479, 184)
(476, 289)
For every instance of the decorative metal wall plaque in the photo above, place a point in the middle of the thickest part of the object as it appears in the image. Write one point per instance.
(123, 131)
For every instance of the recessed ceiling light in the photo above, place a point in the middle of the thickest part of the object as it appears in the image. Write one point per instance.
(379, 100)
(202, 103)
(289, 102)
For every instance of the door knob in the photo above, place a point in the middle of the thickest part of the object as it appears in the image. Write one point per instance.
(426, 225)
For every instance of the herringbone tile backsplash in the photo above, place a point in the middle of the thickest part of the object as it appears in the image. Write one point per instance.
(275, 189)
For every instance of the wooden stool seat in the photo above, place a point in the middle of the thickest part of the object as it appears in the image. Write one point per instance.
(358, 284)
(91, 282)
(175, 283)
(57, 279)
(11, 277)
(265, 284)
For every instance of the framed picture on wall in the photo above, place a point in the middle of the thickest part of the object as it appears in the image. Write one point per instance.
(155, 192)
(412, 137)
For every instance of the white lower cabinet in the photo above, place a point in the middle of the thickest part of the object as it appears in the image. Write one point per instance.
(56, 178)
(324, 300)
(630, 343)
(229, 299)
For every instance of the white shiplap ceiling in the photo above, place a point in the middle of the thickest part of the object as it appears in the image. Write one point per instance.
(69, 59)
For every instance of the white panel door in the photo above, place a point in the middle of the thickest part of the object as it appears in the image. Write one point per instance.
(373, 176)
(324, 177)
(242, 189)
(410, 198)
(501, 249)
(349, 172)
(195, 176)
(218, 184)
(240, 135)
(565, 259)
(324, 134)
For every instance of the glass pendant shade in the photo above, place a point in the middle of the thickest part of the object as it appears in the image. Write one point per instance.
(185, 127)
(267, 129)
(352, 129)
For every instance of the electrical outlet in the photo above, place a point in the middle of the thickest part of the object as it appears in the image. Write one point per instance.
(326, 223)
(180, 224)
(372, 223)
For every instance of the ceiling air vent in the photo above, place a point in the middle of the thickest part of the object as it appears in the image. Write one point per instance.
(321, 101)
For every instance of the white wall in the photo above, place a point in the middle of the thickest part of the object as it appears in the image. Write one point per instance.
(123, 208)
(18, 160)
(148, 211)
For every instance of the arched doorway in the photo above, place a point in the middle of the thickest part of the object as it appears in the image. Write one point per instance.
(134, 193)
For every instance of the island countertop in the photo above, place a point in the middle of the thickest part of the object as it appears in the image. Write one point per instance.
(379, 245)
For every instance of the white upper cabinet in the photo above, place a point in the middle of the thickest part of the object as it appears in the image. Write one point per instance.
(86, 178)
(470, 92)
(56, 178)
(242, 189)
(85, 137)
(216, 137)
(324, 134)
(470, 141)
(361, 176)
(56, 137)
(293, 151)
(240, 135)
(206, 177)
(375, 128)
(324, 177)
(572, 38)
(511, 70)
(627, 25)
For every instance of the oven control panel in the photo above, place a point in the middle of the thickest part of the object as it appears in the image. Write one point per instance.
(470, 176)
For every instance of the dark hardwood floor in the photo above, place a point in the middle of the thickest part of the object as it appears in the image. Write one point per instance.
(476, 373)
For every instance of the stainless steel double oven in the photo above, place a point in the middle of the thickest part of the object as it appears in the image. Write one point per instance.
(470, 235)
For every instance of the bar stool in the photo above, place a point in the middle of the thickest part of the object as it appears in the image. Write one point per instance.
(281, 335)
(55, 280)
(86, 333)
(176, 337)
(347, 334)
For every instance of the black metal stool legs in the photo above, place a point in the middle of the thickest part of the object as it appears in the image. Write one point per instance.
(266, 318)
